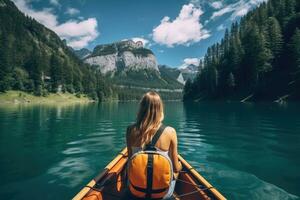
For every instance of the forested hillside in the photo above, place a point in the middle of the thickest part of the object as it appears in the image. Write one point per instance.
(34, 59)
(258, 58)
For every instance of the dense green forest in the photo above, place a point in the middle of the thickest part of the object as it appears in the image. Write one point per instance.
(258, 58)
(34, 59)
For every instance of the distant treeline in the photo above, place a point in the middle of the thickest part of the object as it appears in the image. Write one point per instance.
(147, 78)
(259, 57)
(127, 94)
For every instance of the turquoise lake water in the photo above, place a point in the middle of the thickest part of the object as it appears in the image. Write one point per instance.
(247, 151)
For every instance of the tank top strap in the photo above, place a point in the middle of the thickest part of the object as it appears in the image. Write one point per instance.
(152, 143)
(157, 135)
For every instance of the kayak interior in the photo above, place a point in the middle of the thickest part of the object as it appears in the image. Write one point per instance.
(110, 184)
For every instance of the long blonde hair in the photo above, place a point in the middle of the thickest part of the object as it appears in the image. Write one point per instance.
(149, 118)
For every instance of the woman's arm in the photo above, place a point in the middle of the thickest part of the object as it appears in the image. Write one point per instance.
(173, 151)
(128, 142)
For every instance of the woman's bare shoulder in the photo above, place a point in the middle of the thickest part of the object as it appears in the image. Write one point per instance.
(170, 131)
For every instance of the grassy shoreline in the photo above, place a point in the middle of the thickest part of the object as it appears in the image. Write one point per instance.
(20, 97)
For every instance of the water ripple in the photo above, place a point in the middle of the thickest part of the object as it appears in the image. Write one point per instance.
(70, 172)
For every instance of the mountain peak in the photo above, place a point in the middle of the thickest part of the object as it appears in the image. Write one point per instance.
(191, 68)
(122, 55)
(82, 53)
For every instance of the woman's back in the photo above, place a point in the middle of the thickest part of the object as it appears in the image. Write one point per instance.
(162, 144)
(151, 146)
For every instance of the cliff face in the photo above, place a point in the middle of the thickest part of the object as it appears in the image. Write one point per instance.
(105, 63)
(124, 55)
(132, 61)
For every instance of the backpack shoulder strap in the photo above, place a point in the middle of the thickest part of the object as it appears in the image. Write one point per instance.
(157, 135)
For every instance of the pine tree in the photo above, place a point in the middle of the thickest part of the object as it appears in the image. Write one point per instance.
(67, 76)
(37, 71)
(55, 72)
(270, 8)
(258, 55)
(212, 77)
(290, 7)
(4, 64)
(226, 42)
(34, 66)
(235, 53)
(21, 79)
(264, 58)
(188, 90)
(274, 36)
(231, 82)
(201, 65)
(295, 49)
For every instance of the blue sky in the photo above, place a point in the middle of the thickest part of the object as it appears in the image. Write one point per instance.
(178, 31)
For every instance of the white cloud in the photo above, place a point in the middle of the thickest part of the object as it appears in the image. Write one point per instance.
(190, 61)
(241, 12)
(55, 2)
(77, 33)
(257, 2)
(184, 30)
(241, 9)
(221, 27)
(238, 9)
(217, 4)
(72, 11)
(222, 12)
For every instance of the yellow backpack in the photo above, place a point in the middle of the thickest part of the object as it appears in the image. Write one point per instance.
(150, 172)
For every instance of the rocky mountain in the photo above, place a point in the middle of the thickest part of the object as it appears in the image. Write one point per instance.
(179, 74)
(129, 63)
(190, 69)
(124, 55)
(188, 72)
